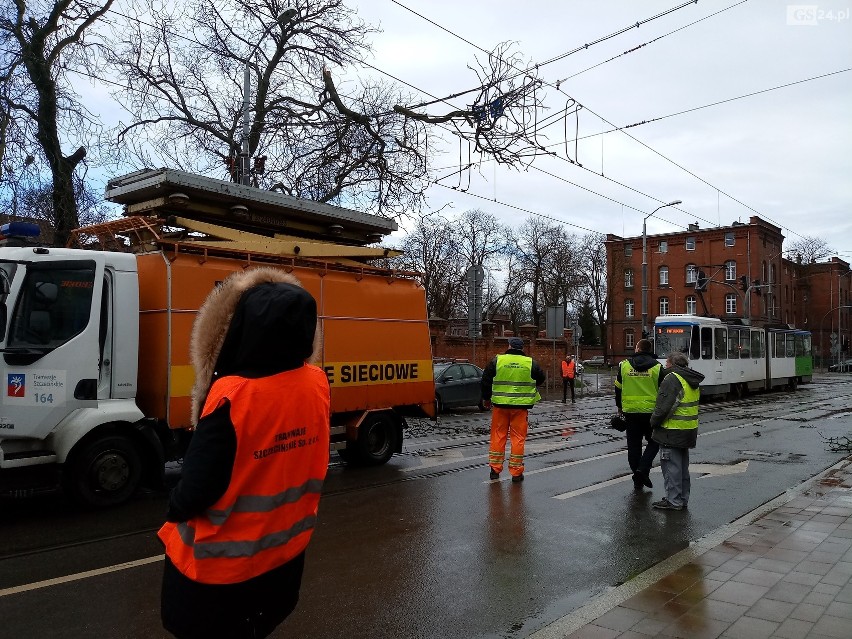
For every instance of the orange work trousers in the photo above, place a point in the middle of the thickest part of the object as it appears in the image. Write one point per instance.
(511, 422)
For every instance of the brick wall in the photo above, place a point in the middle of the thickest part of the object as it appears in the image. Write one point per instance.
(547, 352)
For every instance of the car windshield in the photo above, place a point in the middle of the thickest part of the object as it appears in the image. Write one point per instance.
(439, 369)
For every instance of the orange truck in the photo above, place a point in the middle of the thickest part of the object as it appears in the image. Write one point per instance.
(95, 341)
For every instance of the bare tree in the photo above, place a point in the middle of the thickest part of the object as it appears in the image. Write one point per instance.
(354, 144)
(592, 256)
(808, 249)
(503, 292)
(34, 202)
(545, 252)
(431, 249)
(481, 238)
(42, 43)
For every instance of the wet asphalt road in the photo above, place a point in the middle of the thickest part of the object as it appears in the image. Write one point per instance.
(426, 546)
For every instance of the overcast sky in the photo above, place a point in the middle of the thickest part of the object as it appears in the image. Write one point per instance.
(783, 154)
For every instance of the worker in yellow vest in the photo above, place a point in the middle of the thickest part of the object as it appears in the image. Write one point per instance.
(636, 386)
(510, 384)
(675, 424)
(243, 513)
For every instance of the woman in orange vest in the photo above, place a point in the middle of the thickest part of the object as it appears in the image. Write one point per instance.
(569, 372)
(242, 515)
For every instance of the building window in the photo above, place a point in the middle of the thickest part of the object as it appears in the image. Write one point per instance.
(664, 276)
(690, 244)
(629, 308)
(664, 306)
(730, 271)
(629, 339)
(731, 304)
(628, 250)
(628, 278)
(691, 273)
(664, 246)
(691, 304)
(729, 238)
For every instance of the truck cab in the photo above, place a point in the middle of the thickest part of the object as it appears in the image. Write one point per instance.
(68, 335)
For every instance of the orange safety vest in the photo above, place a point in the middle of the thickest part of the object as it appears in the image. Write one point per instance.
(268, 512)
(569, 370)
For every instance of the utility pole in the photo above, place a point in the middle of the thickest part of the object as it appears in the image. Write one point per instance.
(645, 266)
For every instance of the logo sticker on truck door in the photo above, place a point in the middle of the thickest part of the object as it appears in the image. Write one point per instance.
(35, 388)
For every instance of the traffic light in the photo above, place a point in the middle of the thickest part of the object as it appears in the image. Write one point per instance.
(743, 282)
(701, 282)
(756, 286)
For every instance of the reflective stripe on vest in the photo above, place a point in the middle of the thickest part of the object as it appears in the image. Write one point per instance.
(639, 388)
(268, 512)
(513, 384)
(685, 414)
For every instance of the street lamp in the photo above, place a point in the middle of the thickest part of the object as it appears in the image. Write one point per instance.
(282, 20)
(645, 266)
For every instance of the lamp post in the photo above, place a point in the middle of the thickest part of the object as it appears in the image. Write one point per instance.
(282, 20)
(645, 266)
(822, 335)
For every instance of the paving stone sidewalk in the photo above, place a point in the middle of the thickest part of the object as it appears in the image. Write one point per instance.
(783, 574)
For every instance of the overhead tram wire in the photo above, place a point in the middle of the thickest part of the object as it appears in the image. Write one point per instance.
(719, 190)
(698, 108)
(561, 56)
(418, 89)
(634, 49)
(451, 131)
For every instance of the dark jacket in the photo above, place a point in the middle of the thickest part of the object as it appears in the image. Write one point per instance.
(670, 395)
(257, 323)
(491, 370)
(641, 362)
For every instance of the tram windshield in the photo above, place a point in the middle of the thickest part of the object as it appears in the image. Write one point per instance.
(671, 339)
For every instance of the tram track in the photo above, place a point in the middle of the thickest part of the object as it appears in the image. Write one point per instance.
(551, 422)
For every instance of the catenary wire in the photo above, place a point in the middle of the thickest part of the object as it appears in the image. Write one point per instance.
(725, 193)
(437, 181)
(562, 56)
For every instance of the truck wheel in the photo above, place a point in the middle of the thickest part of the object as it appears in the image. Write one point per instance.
(377, 439)
(105, 472)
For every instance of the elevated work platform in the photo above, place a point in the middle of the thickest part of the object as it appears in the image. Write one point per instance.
(169, 193)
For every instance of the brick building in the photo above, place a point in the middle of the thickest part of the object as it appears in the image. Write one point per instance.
(732, 258)
(823, 293)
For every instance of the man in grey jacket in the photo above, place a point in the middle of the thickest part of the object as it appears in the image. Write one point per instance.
(675, 428)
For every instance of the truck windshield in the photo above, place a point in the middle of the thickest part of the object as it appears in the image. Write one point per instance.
(54, 305)
(671, 339)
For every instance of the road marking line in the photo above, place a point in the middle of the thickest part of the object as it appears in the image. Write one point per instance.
(588, 459)
(47, 583)
(704, 470)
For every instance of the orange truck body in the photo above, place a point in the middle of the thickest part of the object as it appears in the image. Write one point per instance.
(376, 348)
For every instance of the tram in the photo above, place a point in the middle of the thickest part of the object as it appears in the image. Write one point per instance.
(734, 358)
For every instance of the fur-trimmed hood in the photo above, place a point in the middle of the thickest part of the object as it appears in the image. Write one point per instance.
(258, 322)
